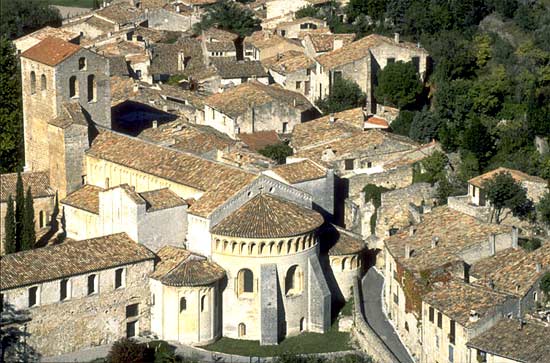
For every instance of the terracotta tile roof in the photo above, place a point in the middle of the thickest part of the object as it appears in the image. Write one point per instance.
(179, 267)
(69, 259)
(198, 2)
(528, 344)
(121, 13)
(98, 23)
(516, 174)
(486, 266)
(219, 181)
(457, 299)
(238, 100)
(39, 181)
(339, 241)
(262, 39)
(71, 113)
(230, 68)
(260, 139)
(519, 274)
(346, 123)
(51, 51)
(455, 231)
(85, 198)
(161, 199)
(300, 171)
(325, 42)
(50, 32)
(377, 121)
(357, 50)
(267, 216)
(185, 136)
(288, 62)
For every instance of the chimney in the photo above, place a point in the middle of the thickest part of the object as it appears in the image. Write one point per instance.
(521, 324)
(411, 230)
(331, 118)
(396, 37)
(474, 316)
(338, 43)
(435, 241)
(515, 238)
(155, 124)
(492, 244)
(491, 284)
(539, 267)
(407, 251)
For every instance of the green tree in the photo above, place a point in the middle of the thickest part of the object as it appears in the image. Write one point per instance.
(477, 139)
(20, 17)
(469, 167)
(19, 212)
(373, 8)
(28, 236)
(229, 16)
(432, 168)
(402, 124)
(11, 121)
(545, 285)
(277, 152)
(398, 85)
(425, 126)
(504, 192)
(543, 210)
(9, 228)
(344, 94)
(309, 11)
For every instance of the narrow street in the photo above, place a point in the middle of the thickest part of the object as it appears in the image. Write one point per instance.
(372, 285)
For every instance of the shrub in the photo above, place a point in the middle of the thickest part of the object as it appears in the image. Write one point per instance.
(128, 351)
(277, 152)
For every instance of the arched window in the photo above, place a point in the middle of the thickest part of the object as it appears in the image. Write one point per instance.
(242, 330)
(43, 83)
(344, 263)
(183, 304)
(293, 280)
(73, 87)
(204, 303)
(33, 83)
(81, 64)
(91, 88)
(245, 281)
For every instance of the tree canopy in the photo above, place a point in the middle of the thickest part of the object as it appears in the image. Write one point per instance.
(227, 15)
(504, 192)
(20, 17)
(398, 85)
(345, 94)
(277, 152)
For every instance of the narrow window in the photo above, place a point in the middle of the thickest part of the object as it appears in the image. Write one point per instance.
(204, 304)
(452, 332)
(41, 219)
(63, 289)
(81, 64)
(106, 183)
(119, 278)
(337, 75)
(242, 330)
(43, 83)
(431, 314)
(92, 284)
(132, 311)
(33, 296)
(451, 354)
(183, 304)
(439, 320)
(285, 127)
(293, 283)
(1, 302)
(152, 299)
(91, 88)
(245, 281)
(33, 83)
(416, 63)
(302, 324)
(298, 84)
(73, 87)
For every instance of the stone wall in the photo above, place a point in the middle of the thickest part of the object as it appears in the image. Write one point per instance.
(83, 321)
(366, 337)
(462, 204)
(391, 179)
(163, 19)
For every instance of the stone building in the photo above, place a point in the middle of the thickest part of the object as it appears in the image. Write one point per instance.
(361, 60)
(292, 70)
(294, 28)
(219, 43)
(264, 44)
(43, 199)
(253, 106)
(79, 293)
(30, 40)
(278, 8)
(317, 43)
(511, 341)
(155, 218)
(66, 90)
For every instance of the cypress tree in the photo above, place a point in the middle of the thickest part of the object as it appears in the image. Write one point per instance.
(19, 212)
(29, 236)
(9, 227)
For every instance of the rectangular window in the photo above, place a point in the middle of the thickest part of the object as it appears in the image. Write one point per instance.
(348, 164)
(396, 299)
(451, 354)
(439, 320)
(92, 284)
(390, 60)
(131, 329)
(119, 278)
(1, 302)
(298, 84)
(132, 311)
(306, 87)
(452, 332)
(63, 289)
(33, 296)
(336, 75)
(416, 63)
(285, 127)
(431, 314)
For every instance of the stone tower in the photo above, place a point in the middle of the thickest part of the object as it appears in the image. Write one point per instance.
(54, 74)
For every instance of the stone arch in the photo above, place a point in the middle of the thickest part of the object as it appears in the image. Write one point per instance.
(280, 246)
(33, 82)
(73, 87)
(353, 263)
(293, 280)
(242, 248)
(233, 246)
(225, 245)
(253, 249)
(92, 88)
(245, 281)
(43, 83)
(261, 250)
(289, 246)
(242, 330)
(218, 245)
(344, 263)
(271, 247)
